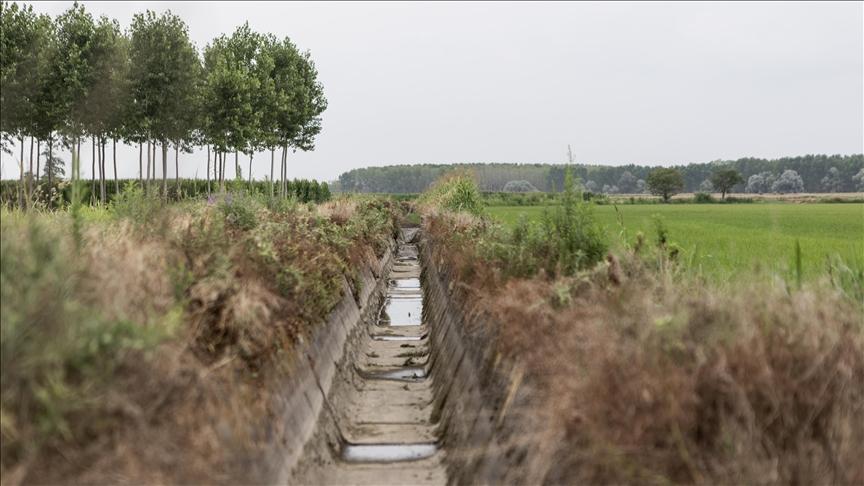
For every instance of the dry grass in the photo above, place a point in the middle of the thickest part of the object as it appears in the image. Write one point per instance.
(153, 351)
(644, 378)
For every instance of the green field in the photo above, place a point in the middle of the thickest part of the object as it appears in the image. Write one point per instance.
(722, 240)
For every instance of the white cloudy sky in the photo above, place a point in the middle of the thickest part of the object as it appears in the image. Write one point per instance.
(653, 83)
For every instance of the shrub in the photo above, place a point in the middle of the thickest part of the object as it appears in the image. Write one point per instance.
(59, 349)
(239, 211)
(702, 198)
(457, 191)
(566, 240)
(135, 205)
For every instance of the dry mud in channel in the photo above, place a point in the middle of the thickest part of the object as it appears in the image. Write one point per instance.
(378, 426)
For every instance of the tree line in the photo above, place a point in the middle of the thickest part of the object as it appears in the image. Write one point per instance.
(73, 77)
(818, 173)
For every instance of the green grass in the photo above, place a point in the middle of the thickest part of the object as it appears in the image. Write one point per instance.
(722, 241)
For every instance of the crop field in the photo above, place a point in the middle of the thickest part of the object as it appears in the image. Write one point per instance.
(725, 240)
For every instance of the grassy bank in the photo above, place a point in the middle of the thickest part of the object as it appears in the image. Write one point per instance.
(142, 342)
(726, 241)
(644, 373)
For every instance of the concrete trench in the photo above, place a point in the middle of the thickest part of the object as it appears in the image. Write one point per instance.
(378, 425)
(411, 396)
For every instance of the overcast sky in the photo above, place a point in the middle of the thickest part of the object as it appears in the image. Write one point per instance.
(649, 83)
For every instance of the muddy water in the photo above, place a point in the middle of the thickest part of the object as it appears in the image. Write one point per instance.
(385, 420)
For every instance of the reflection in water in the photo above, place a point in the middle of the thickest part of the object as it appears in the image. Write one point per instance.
(403, 311)
(386, 337)
(405, 283)
(387, 452)
(402, 374)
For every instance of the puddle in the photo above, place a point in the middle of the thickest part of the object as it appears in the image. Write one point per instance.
(403, 311)
(405, 283)
(384, 337)
(402, 374)
(387, 452)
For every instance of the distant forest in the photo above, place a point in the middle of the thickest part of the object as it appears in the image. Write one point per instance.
(815, 171)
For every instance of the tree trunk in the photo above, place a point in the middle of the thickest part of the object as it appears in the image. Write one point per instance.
(93, 171)
(165, 170)
(38, 158)
(114, 156)
(282, 173)
(147, 178)
(30, 180)
(78, 152)
(208, 171)
(21, 167)
(177, 168)
(141, 164)
(222, 163)
(98, 147)
(50, 161)
(272, 160)
(285, 169)
(102, 195)
(236, 164)
(104, 170)
(250, 170)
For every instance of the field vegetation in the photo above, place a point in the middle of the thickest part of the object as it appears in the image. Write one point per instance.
(142, 342)
(645, 373)
(728, 242)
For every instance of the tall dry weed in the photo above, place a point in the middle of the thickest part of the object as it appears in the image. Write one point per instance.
(151, 347)
(654, 378)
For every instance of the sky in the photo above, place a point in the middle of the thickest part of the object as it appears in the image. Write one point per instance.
(516, 82)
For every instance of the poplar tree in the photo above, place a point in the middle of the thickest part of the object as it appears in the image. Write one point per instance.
(25, 42)
(163, 80)
(102, 111)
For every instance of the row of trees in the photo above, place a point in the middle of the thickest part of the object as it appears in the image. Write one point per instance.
(819, 173)
(75, 77)
(667, 182)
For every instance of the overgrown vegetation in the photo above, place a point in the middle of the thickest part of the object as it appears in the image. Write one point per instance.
(643, 372)
(563, 241)
(164, 324)
(457, 191)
